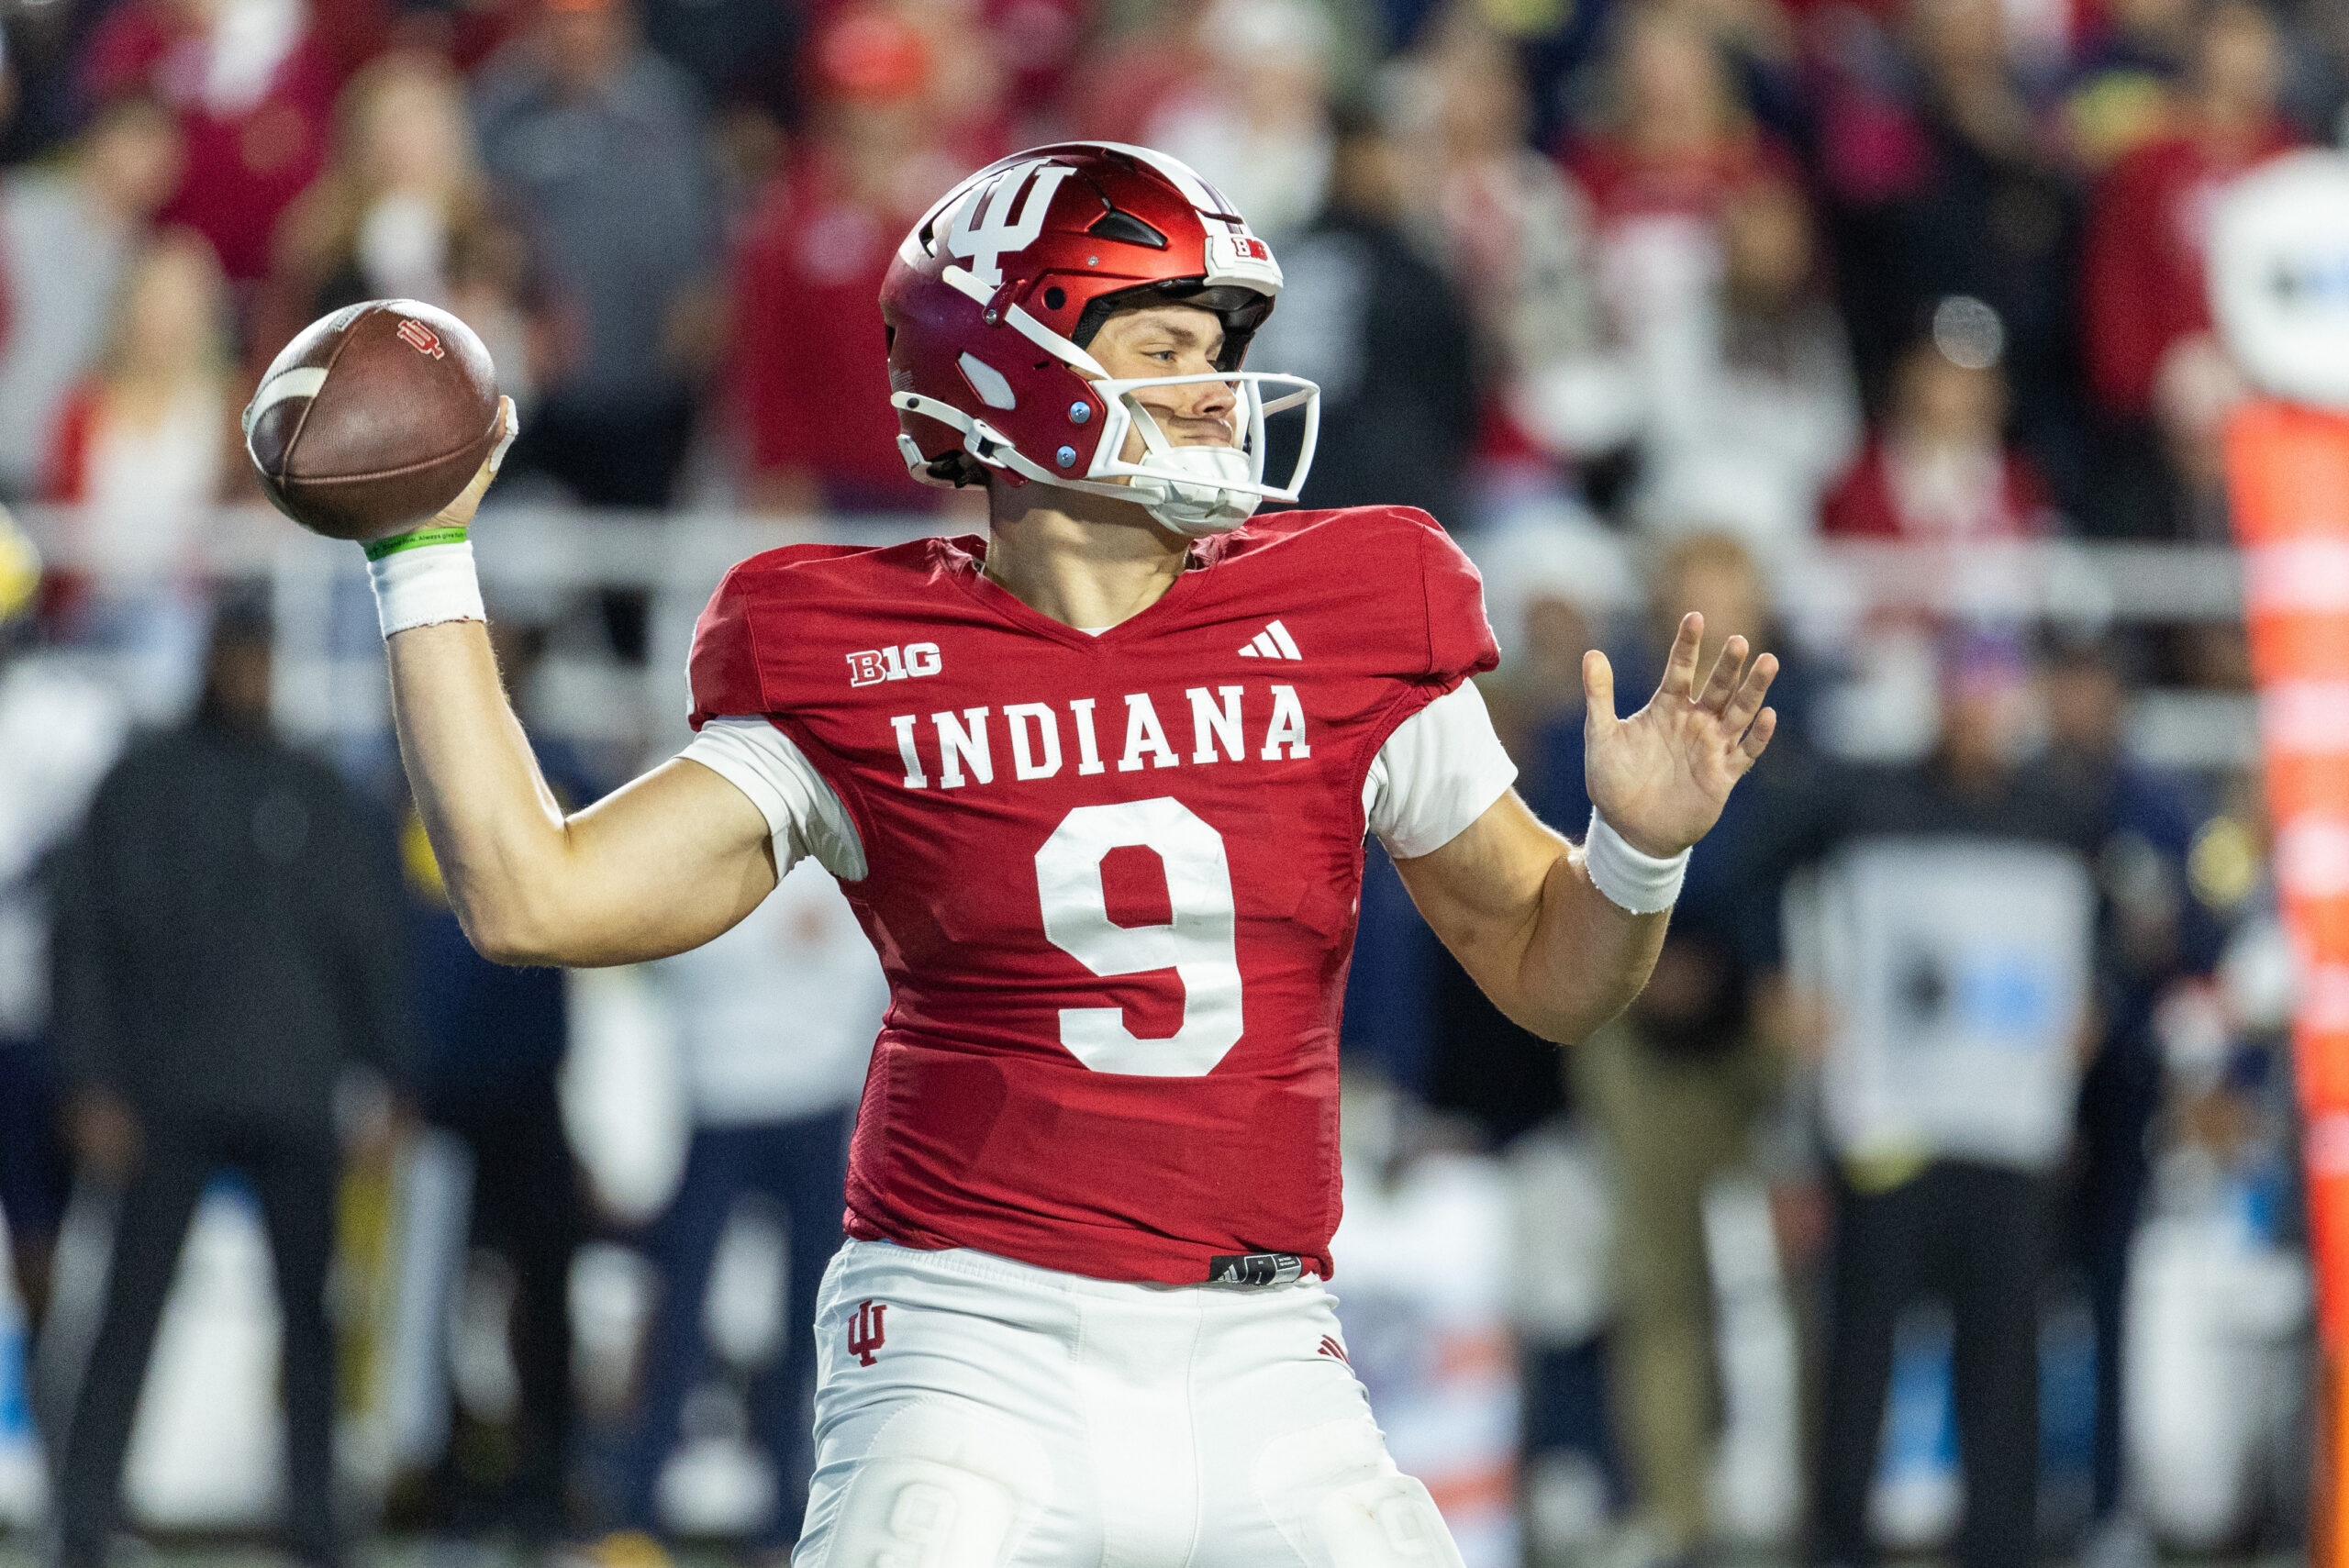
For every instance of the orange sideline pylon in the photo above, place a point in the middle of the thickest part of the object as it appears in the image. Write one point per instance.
(2288, 478)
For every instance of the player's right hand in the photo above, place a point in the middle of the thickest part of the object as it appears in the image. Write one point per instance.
(459, 513)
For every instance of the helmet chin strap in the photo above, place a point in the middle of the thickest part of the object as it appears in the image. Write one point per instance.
(1195, 509)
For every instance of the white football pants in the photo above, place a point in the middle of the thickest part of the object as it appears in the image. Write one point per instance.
(974, 1412)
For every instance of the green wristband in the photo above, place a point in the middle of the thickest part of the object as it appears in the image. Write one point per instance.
(414, 540)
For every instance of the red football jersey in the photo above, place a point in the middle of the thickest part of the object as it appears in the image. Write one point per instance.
(1112, 880)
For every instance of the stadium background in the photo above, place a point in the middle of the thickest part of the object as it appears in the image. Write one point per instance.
(1882, 320)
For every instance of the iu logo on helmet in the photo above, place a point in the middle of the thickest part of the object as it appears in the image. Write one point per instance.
(420, 337)
(864, 1335)
(1013, 205)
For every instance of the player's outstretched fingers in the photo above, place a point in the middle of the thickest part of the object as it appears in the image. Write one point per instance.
(1765, 724)
(1748, 701)
(1598, 693)
(1721, 685)
(1680, 665)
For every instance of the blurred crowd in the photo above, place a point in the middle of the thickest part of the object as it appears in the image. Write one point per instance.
(1906, 268)
(1953, 1134)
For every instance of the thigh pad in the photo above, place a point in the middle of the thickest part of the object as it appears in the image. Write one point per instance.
(1339, 1501)
(943, 1486)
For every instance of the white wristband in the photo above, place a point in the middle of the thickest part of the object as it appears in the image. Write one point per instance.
(1633, 879)
(426, 583)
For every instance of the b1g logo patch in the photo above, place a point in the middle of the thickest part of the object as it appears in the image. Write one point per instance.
(420, 337)
(877, 664)
(865, 1334)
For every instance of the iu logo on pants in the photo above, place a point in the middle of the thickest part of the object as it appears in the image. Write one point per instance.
(864, 1335)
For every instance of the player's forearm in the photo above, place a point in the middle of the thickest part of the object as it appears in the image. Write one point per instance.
(494, 826)
(1514, 902)
(1585, 958)
(663, 865)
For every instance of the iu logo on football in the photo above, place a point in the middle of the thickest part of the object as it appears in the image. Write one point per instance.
(864, 1335)
(420, 337)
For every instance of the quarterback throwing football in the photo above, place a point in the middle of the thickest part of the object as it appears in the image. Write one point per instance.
(1096, 787)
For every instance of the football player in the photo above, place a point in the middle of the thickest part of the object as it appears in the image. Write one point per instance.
(1096, 787)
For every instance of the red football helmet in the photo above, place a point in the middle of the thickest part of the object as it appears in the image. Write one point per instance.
(996, 292)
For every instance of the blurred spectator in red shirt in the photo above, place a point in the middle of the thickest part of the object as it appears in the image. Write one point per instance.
(67, 231)
(1677, 140)
(602, 141)
(1675, 151)
(1678, 146)
(403, 210)
(1043, 44)
(1941, 469)
(2145, 292)
(2124, 85)
(1132, 69)
(251, 83)
(810, 377)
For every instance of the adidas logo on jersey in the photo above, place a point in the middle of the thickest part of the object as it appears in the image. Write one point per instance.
(1272, 643)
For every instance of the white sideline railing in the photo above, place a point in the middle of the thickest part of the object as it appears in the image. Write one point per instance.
(330, 677)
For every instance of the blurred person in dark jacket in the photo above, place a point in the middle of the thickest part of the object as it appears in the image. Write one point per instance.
(1386, 335)
(227, 948)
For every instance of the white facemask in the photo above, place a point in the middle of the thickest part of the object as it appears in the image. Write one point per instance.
(1201, 490)
(1194, 490)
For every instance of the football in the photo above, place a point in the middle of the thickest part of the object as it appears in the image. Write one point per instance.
(372, 418)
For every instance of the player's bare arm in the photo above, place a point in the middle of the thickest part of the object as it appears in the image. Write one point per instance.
(680, 854)
(1515, 901)
(659, 866)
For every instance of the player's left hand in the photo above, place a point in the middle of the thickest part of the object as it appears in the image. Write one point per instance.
(1661, 776)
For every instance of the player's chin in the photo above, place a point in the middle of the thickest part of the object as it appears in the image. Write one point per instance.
(1203, 435)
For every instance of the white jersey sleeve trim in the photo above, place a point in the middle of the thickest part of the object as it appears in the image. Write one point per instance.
(802, 812)
(1438, 772)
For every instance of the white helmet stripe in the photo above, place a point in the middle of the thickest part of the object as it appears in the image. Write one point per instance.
(1197, 192)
